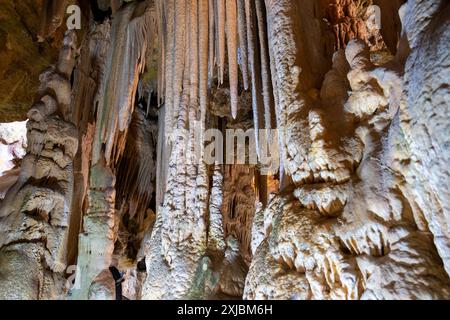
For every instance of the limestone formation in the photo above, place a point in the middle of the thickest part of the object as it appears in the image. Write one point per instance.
(330, 144)
(35, 213)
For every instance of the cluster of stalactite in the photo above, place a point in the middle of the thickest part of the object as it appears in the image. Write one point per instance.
(93, 118)
(213, 39)
(203, 43)
(119, 159)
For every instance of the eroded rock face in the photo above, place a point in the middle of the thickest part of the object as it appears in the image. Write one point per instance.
(35, 215)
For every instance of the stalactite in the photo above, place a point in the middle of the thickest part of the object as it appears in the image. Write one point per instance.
(125, 63)
(232, 38)
(162, 27)
(216, 61)
(179, 61)
(167, 111)
(253, 56)
(269, 108)
(273, 75)
(212, 39)
(284, 54)
(242, 31)
(194, 56)
(204, 44)
(169, 16)
(221, 37)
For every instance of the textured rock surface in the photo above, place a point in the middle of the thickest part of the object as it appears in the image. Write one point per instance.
(426, 112)
(354, 225)
(35, 215)
(355, 206)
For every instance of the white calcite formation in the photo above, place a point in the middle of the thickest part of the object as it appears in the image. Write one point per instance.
(355, 224)
(358, 207)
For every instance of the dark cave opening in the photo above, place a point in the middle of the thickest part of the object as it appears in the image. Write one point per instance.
(98, 14)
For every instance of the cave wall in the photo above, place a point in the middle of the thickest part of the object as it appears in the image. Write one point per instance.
(109, 187)
(22, 58)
